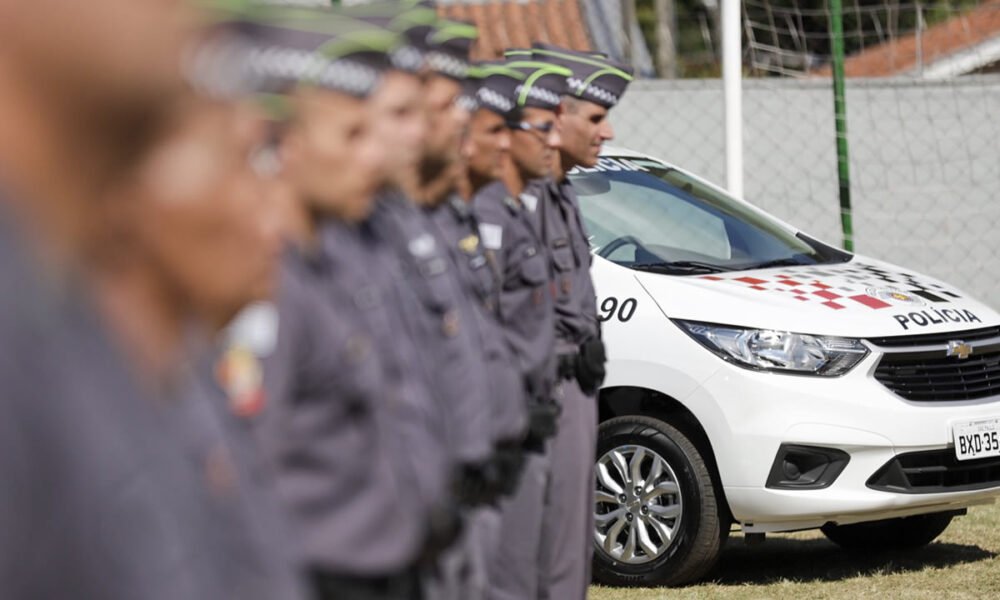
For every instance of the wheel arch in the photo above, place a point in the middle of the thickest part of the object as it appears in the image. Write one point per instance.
(621, 401)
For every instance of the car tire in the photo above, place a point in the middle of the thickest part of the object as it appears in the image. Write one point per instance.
(890, 534)
(684, 489)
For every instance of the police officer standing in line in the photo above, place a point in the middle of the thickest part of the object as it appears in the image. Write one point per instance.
(121, 478)
(436, 310)
(514, 246)
(484, 152)
(369, 268)
(490, 92)
(334, 408)
(594, 88)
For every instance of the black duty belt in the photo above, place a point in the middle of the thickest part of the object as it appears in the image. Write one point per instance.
(328, 586)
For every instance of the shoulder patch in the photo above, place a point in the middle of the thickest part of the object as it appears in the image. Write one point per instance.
(530, 202)
(422, 246)
(491, 236)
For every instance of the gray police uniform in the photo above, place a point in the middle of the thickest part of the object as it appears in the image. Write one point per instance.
(109, 492)
(458, 232)
(243, 490)
(509, 235)
(439, 318)
(442, 319)
(328, 427)
(367, 275)
(567, 538)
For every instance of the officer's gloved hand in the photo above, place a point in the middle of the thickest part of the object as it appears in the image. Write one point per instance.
(508, 458)
(475, 483)
(543, 423)
(444, 526)
(590, 366)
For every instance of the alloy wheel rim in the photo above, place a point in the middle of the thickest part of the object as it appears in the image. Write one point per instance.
(638, 507)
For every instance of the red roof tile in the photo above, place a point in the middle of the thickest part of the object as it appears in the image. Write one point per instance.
(514, 23)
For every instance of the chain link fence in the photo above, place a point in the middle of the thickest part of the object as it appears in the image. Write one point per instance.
(923, 122)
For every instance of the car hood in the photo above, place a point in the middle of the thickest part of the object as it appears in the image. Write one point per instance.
(860, 298)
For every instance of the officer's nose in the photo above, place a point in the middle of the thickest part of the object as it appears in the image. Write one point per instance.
(606, 131)
(553, 139)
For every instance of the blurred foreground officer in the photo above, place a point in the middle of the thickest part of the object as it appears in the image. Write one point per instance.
(594, 88)
(120, 481)
(511, 239)
(203, 248)
(333, 410)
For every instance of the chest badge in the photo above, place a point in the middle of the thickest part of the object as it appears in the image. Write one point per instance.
(469, 244)
(240, 375)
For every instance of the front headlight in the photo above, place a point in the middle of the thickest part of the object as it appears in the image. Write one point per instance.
(782, 351)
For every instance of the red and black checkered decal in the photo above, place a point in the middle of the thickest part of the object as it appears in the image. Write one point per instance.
(842, 287)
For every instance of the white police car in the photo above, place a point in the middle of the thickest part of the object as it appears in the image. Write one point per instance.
(762, 378)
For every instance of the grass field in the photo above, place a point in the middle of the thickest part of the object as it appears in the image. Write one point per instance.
(963, 563)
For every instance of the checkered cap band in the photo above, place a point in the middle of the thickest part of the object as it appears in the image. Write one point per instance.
(592, 91)
(447, 64)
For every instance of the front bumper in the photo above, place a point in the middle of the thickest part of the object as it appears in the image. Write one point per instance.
(748, 415)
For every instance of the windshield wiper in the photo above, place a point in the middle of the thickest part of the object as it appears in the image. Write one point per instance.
(778, 262)
(678, 267)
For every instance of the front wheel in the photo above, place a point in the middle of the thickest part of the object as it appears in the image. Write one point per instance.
(905, 532)
(657, 521)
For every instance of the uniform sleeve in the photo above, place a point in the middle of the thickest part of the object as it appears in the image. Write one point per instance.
(279, 367)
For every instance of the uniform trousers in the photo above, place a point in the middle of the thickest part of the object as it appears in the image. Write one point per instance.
(567, 541)
(515, 571)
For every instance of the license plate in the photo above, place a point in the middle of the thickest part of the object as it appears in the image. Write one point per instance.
(977, 439)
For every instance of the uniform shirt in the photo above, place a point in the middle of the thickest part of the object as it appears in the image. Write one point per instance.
(327, 426)
(244, 494)
(525, 307)
(108, 491)
(457, 231)
(362, 275)
(569, 247)
(439, 319)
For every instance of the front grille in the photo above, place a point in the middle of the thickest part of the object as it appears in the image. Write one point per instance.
(934, 339)
(935, 471)
(922, 377)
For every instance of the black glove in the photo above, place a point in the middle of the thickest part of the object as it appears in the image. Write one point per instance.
(474, 483)
(508, 459)
(590, 366)
(444, 526)
(543, 423)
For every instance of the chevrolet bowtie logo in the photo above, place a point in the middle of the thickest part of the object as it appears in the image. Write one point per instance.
(960, 349)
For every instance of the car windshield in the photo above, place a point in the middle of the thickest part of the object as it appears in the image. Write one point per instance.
(645, 215)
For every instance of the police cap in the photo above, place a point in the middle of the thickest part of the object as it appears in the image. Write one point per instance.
(598, 80)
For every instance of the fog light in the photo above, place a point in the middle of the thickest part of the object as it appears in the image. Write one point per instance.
(806, 467)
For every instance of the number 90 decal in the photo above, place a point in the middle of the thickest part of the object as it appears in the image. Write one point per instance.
(612, 308)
